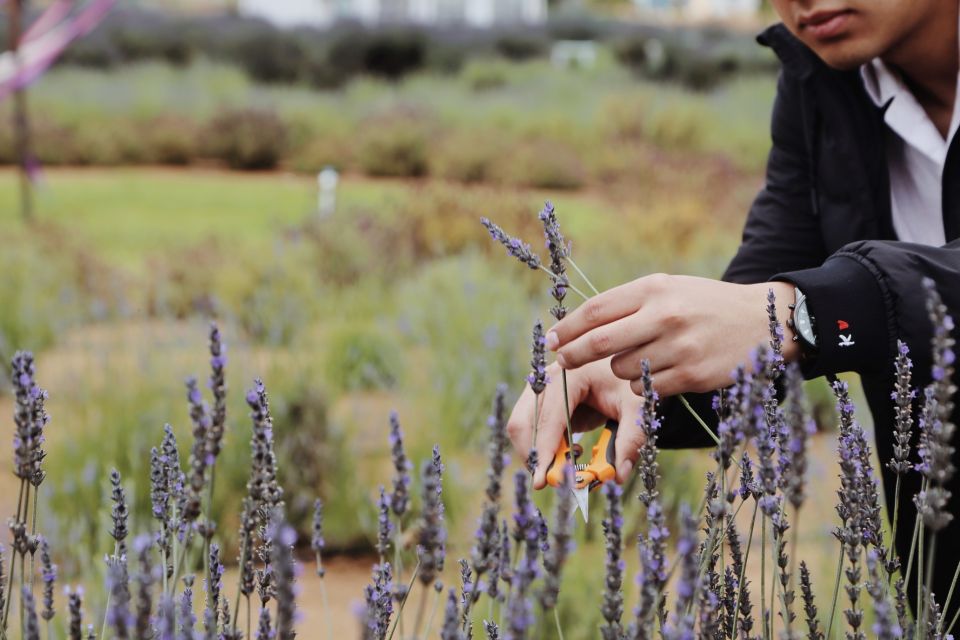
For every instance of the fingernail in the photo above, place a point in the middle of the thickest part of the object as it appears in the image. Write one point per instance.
(552, 341)
(561, 360)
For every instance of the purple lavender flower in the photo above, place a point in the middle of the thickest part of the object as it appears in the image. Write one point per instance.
(119, 617)
(740, 618)
(187, 620)
(538, 361)
(200, 416)
(559, 252)
(514, 246)
(792, 445)
(285, 537)
(433, 533)
(379, 601)
(265, 629)
(214, 585)
(451, 618)
(218, 387)
(555, 556)
(263, 487)
(612, 607)
(75, 613)
(166, 620)
(493, 631)
(30, 419)
(653, 571)
(400, 498)
(500, 567)
(680, 626)
(776, 334)
(316, 541)
(903, 396)
(120, 513)
(936, 429)
(885, 627)
(31, 625)
(809, 608)
(144, 580)
(48, 573)
(384, 526)
(649, 424)
(519, 606)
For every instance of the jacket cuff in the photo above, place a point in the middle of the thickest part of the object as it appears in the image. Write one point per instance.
(845, 298)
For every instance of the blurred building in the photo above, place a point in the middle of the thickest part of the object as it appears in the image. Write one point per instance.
(324, 13)
(699, 10)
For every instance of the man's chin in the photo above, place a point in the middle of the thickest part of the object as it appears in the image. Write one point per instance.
(844, 56)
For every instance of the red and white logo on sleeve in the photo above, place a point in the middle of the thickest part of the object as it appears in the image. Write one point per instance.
(846, 340)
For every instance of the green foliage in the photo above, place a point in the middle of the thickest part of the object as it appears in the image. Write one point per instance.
(393, 147)
(477, 341)
(362, 358)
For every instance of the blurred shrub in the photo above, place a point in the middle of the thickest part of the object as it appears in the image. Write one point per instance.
(468, 156)
(360, 358)
(388, 54)
(486, 74)
(171, 139)
(542, 164)
(246, 138)
(520, 46)
(393, 146)
(678, 126)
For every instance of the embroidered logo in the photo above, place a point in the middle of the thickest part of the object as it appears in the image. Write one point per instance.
(846, 340)
(842, 324)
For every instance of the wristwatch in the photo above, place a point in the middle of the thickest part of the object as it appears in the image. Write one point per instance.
(804, 325)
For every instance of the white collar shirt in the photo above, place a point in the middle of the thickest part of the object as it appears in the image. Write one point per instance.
(916, 153)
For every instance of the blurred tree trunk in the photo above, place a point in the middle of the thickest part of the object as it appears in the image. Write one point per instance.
(21, 125)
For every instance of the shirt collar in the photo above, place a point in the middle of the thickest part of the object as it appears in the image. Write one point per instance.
(882, 83)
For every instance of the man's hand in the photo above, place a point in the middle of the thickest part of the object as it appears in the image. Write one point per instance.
(595, 394)
(694, 331)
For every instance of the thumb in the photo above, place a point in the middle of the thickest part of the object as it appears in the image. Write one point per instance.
(628, 442)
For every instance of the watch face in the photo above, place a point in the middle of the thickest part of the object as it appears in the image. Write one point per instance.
(804, 326)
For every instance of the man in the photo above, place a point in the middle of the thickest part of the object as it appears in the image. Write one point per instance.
(862, 201)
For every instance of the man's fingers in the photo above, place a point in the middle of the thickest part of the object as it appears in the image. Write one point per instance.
(667, 382)
(601, 309)
(604, 341)
(520, 424)
(629, 439)
(553, 419)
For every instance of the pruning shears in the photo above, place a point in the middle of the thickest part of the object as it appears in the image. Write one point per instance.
(590, 476)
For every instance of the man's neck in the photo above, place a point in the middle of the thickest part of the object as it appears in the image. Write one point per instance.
(929, 59)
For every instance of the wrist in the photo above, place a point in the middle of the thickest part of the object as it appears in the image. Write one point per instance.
(784, 295)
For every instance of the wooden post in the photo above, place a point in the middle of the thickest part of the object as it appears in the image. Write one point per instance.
(21, 125)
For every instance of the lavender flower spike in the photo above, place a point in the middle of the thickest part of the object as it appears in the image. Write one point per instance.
(556, 555)
(612, 607)
(514, 246)
(200, 416)
(316, 541)
(218, 386)
(400, 498)
(120, 513)
(936, 429)
(384, 526)
(285, 537)
(433, 533)
(30, 418)
(681, 624)
(776, 334)
(31, 626)
(538, 362)
(885, 626)
(49, 576)
(903, 396)
(379, 602)
(215, 571)
(451, 618)
(75, 609)
(559, 252)
(145, 579)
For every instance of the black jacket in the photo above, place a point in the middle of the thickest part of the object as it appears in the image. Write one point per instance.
(823, 221)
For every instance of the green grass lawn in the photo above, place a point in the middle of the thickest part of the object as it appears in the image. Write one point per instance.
(130, 215)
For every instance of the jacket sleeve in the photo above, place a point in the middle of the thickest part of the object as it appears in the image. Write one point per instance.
(781, 234)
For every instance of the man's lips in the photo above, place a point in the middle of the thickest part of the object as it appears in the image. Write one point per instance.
(824, 25)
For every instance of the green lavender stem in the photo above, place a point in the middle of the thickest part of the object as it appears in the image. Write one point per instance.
(836, 591)
(13, 556)
(582, 275)
(413, 578)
